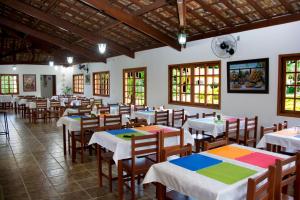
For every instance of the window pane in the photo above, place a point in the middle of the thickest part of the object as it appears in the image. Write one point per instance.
(290, 92)
(297, 108)
(290, 78)
(289, 104)
(290, 66)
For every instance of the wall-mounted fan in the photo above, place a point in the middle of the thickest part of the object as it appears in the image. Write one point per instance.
(224, 46)
(83, 67)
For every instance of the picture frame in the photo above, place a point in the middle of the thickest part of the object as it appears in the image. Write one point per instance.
(88, 79)
(248, 76)
(29, 82)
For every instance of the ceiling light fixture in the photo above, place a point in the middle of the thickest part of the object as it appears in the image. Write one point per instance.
(51, 63)
(70, 59)
(182, 38)
(102, 47)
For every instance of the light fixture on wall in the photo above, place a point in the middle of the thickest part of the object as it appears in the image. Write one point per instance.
(102, 47)
(182, 38)
(70, 59)
(14, 68)
(51, 63)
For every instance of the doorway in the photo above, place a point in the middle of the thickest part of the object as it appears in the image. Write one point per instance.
(48, 86)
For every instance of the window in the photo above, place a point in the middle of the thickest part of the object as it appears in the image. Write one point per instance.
(78, 84)
(289, 85)
(101, 83)
(195, 84)
(134, 86)
(9, 84)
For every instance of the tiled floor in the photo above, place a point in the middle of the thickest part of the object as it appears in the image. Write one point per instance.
(32, 166)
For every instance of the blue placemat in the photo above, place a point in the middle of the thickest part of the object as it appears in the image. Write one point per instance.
(121, 131)
(77, 116)
(195, 162)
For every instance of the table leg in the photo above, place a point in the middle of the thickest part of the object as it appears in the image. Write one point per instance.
(120, 179)
(16, 110)
(64, 139)
(160, 191)
(99, 164)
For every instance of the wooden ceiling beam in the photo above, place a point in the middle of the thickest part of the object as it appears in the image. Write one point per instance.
(181, 7)
(248, 26)
(57, 41)
(55, 21)
(287, 6)
(132, 21)
(235, 10)
(260, 10)
(208, 8)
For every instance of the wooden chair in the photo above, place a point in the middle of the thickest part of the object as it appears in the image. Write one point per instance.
(103, 109)
(215, 144)
(112, 104)
(105, 156)
(161, 118)
(85, 102)
(112, 120)
(125, 110)
(232, 130)
(140, 108)
(40, 112)
(84, 111)
(250, 126)
(287, 173)
(139, 165)
(177, 134)
(137, 123)
(54, 111)
(204, 115)
(177, 116)
(262, 187)
(87, 127)
(271, 129)
(283, 125)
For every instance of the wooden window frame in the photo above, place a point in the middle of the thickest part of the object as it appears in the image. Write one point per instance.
(108, 90)
(192, 66)
(18, 84)
(145, 81)
(74, 92)
(282, 83)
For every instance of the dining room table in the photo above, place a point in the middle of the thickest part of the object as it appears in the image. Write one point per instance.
(211, 125)
(217, 174)
(288, 138)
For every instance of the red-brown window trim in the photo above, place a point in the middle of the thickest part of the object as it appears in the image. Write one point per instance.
(108, 84)
(78, 92)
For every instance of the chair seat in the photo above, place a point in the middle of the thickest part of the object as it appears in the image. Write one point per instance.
(141, 165)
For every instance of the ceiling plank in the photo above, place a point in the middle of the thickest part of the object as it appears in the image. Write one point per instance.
(235, 10)
(249, 26)
(55, 21)
(208, 8)
(14, 51)
(90, 55)
(181, 7)
(134, 22)
(287, 6)
(260, 10)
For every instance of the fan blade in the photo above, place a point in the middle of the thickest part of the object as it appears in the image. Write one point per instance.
(181, 12)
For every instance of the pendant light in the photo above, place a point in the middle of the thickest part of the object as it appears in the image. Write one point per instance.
(70, 59)
(102, 48)
(51, 63)
(182, 38)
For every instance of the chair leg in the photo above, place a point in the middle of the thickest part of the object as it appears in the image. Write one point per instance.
(132, 187)
(98, 147)
(73, 147)
(69, 144)
(110, 176)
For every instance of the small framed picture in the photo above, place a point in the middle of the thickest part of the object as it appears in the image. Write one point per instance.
(29, 82)
(87, 79)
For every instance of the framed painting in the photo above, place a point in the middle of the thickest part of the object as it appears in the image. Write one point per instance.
(248, 76)
(29, 82)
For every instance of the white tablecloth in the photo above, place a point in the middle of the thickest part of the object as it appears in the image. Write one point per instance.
(122, 148)
(209, 125)
(284, 138)
(6, 99)
(199, 186)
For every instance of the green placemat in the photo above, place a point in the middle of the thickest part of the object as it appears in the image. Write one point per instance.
(123, 135)
(226, 172)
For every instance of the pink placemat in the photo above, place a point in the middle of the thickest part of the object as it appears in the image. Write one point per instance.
(258, 159)
(165, 130)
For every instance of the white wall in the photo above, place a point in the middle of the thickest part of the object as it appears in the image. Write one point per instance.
(63, 76)
(267, 42)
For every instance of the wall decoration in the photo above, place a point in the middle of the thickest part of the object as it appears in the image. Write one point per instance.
(248, 76)
(88, 79)
(29, 82)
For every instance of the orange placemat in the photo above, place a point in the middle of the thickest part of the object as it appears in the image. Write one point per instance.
(287, 132)
(230, 152)
(149, 128)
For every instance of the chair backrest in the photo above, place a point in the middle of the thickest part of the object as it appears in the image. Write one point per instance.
(287, 173)
(250, 125)
(84, 110)
(109, 127)
(264, 130)
(89, 123)
(215, 144)
(195, 116)
(85, 102)
(41, 104)
(103, 109)
(174, 134)
(232, 128)
(183, 151)
(75, 114)
(113, 104)
(54, 104)
(144, 145)
(178, 115)
(137, 123)
(283, 125)
(204, 115)
(262, 187)
(98, 102)
(125, 110)
(112, 120)
(161, 117)
(140, 108)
